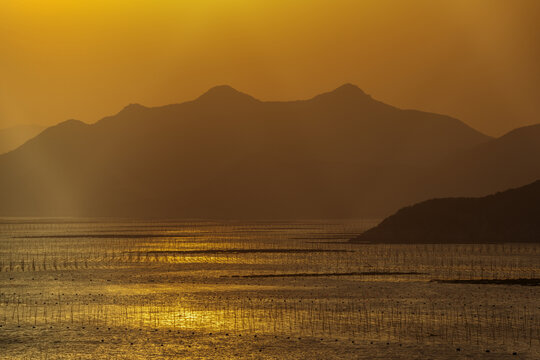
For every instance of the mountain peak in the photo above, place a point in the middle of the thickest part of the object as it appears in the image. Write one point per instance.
(132, 109)
(71, 122)
(133, 106)
(346, 91)
(349, 89)
(224, 94)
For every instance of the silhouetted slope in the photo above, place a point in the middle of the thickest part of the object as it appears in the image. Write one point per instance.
(510, 161)
(13, 137)
(227, 154)
(510, 216)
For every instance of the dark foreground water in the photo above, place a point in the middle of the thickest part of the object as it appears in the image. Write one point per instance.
(72, 289)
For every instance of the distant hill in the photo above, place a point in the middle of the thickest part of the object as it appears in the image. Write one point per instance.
(509, 161)
(13, 137)
(509, 216)
(228, 155)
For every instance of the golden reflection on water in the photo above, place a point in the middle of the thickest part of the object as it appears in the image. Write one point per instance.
(240, 283)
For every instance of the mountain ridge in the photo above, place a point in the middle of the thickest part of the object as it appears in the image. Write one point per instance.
(339, 154)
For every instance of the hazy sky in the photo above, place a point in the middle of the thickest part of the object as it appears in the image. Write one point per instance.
(477, 60)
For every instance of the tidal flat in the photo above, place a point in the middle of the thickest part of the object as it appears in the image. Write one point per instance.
(95, 289)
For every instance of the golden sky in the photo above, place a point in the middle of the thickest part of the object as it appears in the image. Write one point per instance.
(477, 60)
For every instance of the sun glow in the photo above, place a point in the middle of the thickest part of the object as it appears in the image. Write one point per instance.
(92, 58)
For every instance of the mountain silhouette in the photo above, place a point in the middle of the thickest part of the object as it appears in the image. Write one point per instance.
(13, 137)
(509, 161)
(225, 95)
(228, 155)
(509, 216)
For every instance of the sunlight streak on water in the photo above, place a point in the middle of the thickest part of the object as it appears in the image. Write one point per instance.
(211, 281)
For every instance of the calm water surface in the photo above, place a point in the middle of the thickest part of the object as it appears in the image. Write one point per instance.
(73, 289)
